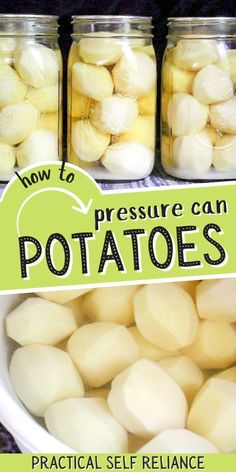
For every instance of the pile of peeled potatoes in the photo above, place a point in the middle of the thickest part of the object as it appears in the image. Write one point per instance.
(136, 368)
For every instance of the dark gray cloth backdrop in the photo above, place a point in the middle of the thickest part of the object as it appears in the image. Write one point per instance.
(159, 10)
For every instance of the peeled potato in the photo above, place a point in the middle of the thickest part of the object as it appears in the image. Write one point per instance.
(46, 99)
(212, 85)
(111, 304)
(88, 143)
(42, 375)
(80, 105)
(223, 116)
(147, 350)
(40, 321)
(114, 114)
(12, 89)
(100, 51)
(143, 130)
(213, 414)
(86, 425)
(229, 374)
(200, 159)
(214, 346)
(63, 296)
(175, 79)
(178, 441)
(17, 122)
(134, 75)
(216, 300)
(185, 373)
(228, 63)
(37, 65)
(41, 145)
(166, 316)
(129, 159)
(7, 158)
(50, 121)
(194, 54)
(102, 350)
(146, 400)
(92, 81)
(224, 154)
(147, 104)
(186, 115)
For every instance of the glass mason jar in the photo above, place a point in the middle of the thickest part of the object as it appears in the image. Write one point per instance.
(112, 96)
(198, 99)
(30, 92)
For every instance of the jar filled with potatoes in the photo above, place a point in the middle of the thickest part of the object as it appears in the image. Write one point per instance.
(198, 99)
(30, 92)
(136, 368)
(112, 97)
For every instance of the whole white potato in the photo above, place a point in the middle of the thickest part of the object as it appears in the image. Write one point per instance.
(100, 51)
(213, 414)
(134, 74)
(178, 441)
(223, 116)
(199, 159)
(186, 115)
(92, 81)
(194, 54)
(129, 159)
(146, 400)
(102, 350)
(42, 375)
(114, 114)
(166, 315)
(37, 65)
(212, 85)
(41, 145)
(86, 425)
(12, 89)
(40, 321)
(17, 122)
(88, 142)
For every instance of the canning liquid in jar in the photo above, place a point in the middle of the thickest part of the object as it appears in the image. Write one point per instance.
(198, 99)
(30, 92)
(112, 97)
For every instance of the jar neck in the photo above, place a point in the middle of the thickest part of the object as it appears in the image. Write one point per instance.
(29, 25)
(118, 26)
(215, 27)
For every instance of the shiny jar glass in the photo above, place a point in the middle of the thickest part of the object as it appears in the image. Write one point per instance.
(30, 92)
(112, 97)
(198, 138)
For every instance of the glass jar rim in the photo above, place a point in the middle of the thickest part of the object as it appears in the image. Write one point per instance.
(199, 19)
(111, 18)
(28, 25)
(20, 17)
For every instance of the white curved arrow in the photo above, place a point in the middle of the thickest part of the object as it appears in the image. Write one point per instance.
(80, 206)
